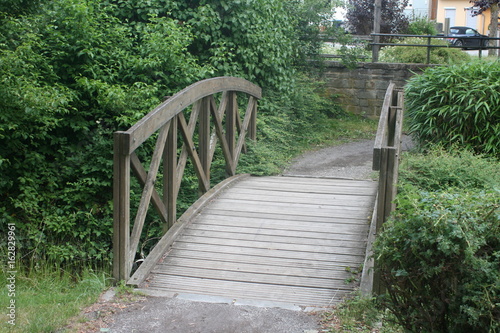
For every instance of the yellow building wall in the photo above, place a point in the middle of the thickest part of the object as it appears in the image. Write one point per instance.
(460, 15)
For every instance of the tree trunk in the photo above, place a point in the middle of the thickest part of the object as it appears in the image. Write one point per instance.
(494, 27)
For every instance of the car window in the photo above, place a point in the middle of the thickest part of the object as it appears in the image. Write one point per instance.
(470, 32)
(454, 31)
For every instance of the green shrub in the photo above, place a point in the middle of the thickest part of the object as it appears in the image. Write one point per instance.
(421, 26)
(73, 72)
(439, 253)
(456, 105)
(440, 257)
(439, 169)
(418, 55)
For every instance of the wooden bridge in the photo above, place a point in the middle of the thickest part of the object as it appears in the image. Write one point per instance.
(293, 240)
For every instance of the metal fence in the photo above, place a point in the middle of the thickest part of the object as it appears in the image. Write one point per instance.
(375, 44)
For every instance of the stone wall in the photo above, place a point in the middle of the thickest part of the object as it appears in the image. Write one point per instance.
(362, 90)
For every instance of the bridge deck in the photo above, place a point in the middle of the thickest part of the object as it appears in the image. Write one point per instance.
(279, 239)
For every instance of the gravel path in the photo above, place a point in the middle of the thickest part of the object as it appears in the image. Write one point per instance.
(351, 160)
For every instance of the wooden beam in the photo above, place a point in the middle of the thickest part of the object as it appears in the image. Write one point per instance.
(220, 134)
(170, 186)
(148, 125)
(181, 165)
(147, 191)
(141, 176)
(381, 138)
(243, 131)
(231, 114)
(121, 207)
(191, 149)
(204, 132)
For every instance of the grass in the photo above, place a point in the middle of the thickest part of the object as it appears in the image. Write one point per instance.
(46, 298)
(361, 315)
(349, 129)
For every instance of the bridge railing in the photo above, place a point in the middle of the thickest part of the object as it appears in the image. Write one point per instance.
(386, 153)
(167, 122)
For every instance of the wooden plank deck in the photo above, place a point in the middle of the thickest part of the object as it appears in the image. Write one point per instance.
(279, 239)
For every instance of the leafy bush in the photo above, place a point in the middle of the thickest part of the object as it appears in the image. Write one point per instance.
(440, 169)
(289, 123)
(439, 254)
(421, 26)
(456, 105)
(73, 72)
(418, 55)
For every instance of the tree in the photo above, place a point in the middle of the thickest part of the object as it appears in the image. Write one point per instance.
(494, 6)
(360, 16)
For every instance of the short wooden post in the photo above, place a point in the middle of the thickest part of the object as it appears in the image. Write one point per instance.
(121, 206)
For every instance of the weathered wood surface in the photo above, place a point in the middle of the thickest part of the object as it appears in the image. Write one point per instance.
(280, 239)
(215, 123)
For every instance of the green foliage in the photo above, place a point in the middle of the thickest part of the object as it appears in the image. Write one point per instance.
(73, 72)
(439, 253)
(70, 76)
(287, 124)
(418, 55)
(314, 18)
(48, 296)
(438, 169)
(421, 26)
(18, 7)
(263, 41)
(359, 314)
(456, 105)
(247, 38)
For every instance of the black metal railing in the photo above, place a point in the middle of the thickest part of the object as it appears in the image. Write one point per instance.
(373, 41)
(482, 45)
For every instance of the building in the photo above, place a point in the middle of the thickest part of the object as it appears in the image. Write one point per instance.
(417, 8)
(459, 13)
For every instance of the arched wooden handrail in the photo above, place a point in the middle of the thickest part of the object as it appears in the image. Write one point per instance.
(168, 119)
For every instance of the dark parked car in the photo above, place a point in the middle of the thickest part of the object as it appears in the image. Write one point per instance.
(467, 38)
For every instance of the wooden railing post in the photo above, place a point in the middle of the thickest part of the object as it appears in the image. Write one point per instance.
(170, 175)
(386, 155)
(204, 136)
(252, 129)
(231, 113)
(121, 206)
